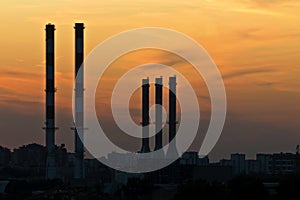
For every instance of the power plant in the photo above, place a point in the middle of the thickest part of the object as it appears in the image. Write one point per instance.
(172, 150)
(52, 170)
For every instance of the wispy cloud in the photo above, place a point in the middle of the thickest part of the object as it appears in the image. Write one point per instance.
(266, 83)
(247, 72)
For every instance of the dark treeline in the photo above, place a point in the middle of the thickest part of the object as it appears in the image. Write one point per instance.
(250, 187)
(240, 187)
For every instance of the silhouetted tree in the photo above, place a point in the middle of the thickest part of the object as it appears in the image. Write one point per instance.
(289, 188)
(136, 189)
(247, 188)
(201, 189)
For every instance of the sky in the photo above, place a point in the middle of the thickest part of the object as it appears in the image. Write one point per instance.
(254, 43)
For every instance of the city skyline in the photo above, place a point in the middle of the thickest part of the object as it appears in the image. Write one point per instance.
(260, 71)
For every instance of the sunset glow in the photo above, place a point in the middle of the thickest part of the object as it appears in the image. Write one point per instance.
(255, 44)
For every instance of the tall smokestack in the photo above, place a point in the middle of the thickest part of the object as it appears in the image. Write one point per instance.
(50, 103)
(79, 88)
(158, 113)
(172, 108)
(145, 116)
(172, 150)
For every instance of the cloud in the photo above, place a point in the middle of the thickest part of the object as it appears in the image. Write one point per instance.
(264, 34)
(247, 72)
(250, 33)
(266, 83)
(205, 97)
(16, 72)
(271, 2)
(266, 7)
(4, 90)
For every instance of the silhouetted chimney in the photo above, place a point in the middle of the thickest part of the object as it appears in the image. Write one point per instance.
(172, 108)
(145, 116)
(172, 150)
(158, 113)
(50, 103)
(79, 88)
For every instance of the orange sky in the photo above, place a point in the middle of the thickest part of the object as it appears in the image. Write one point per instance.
(255, 44)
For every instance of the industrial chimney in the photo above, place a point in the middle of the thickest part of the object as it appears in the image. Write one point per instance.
(172, 150)
(145, 116)
(79, 104)
(50, 103)
(158, 113)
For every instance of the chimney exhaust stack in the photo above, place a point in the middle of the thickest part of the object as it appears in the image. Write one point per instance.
(145, 116)
(172, 150)
(50, 103)
(158, 113)
(79, 104)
